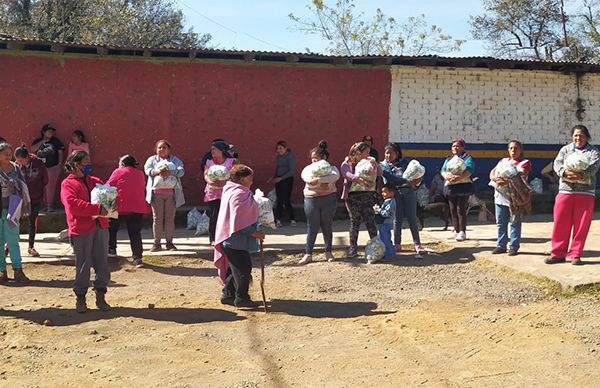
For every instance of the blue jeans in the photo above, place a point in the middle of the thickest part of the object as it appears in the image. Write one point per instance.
(10, 236)
(385, 235)
(406, 205)
(319, 214)
(503, 218)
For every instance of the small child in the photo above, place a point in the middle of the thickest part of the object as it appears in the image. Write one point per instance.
(384, 219)
(78, 143)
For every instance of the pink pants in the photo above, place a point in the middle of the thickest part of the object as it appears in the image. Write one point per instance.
(572, 212)
(50, 189)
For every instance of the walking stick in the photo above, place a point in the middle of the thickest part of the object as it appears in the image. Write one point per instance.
(262, 276)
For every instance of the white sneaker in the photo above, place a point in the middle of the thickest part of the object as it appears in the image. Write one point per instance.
(461, 236)
(329, 256)
(278, 224)
(293, 223)
(305, 259)
(452, 236)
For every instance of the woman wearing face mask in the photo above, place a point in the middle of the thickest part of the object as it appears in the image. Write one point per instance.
(574, 203)
(88, 230)
(164, 193)
(319, 201)
(285, 164)
(36, 177)
(237, 235)
(129, 181)
(14, 190)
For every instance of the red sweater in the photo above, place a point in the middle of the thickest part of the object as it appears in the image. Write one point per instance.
(75, 196)
(131, 190)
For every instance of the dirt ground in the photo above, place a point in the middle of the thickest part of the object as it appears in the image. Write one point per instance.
(445, 321)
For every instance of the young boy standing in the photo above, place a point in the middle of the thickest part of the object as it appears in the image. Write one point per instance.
(384, 218)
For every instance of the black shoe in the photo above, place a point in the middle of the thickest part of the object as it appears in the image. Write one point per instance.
(228, 300)
(80, 305)
(101, 302)
(554, 260)
(170, 247)
(513, 252)
(138, 263)
(112, 252)
(576, 261)
(156, 248)
(248, 303)
(498, 251)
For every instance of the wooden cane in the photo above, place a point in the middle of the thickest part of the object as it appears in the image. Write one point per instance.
(262, 276)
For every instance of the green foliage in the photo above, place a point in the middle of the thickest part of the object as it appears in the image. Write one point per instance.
(540, 29)
(349, 33)
(124, 23)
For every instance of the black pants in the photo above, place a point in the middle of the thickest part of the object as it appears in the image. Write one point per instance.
(238, 278)
(284, 194)
(213, 215)
(134, 229)
(458, 211)
(33, 218)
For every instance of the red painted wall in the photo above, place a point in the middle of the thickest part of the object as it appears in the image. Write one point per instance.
(125, 105)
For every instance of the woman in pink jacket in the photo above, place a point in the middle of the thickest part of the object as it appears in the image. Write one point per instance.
(130, 183)
(88, 229)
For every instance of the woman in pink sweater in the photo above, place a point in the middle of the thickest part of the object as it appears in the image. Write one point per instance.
(130, 183)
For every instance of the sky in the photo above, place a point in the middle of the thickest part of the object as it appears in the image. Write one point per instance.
(264, 25)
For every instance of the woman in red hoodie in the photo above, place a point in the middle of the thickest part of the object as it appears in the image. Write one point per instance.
(87, 229)
(36, 176)
(131, 197)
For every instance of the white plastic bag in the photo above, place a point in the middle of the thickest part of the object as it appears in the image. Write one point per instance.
(366, 170)
(169, 182)
(374, 250)
(506, 169)
(106, 196)
(265, 210)
(456, 165)
(537, 185)
(218, 173)
(273, 197)
(202, 226)
(413, 171)
(422, 195)
(192, 218)
(320, 169)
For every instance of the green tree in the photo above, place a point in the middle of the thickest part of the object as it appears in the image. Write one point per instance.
(540, 29)
(349, 33)
(126, 23)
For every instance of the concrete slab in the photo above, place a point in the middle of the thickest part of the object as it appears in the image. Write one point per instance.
(482, 240)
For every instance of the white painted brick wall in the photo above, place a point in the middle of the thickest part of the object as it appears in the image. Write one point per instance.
(432, 104)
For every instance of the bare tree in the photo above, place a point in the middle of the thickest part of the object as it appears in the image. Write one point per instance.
(349, 33)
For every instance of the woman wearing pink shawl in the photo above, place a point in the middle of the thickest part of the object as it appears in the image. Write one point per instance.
(236, 236)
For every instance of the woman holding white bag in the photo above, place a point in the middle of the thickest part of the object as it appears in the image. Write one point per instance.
(500, 175)
(319, 200)
(576, 165)
(164, 192)
(88, 229)
(216, 174)
(456, 171)
(394, 167)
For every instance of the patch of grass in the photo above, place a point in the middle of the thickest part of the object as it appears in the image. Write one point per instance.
(161, 261)
(550, 287)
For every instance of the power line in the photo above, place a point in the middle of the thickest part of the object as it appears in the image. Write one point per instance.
(230, 29)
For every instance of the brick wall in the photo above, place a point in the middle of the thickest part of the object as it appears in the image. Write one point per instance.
(488, 106)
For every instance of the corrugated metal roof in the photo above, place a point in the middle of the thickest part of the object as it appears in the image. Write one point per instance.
(12, 43)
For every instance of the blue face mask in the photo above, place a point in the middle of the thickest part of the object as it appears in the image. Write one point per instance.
(87, 169)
